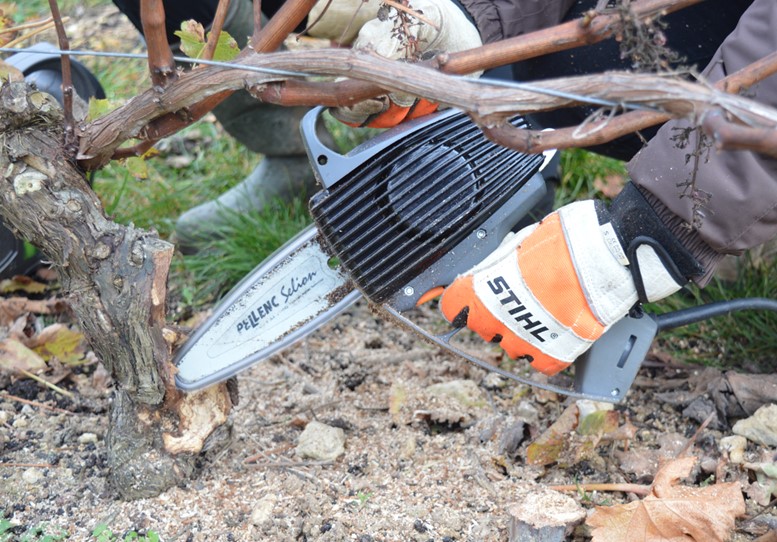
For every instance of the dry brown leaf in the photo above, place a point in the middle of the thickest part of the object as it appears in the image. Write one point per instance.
(551, 444)
(672, 513)
(60, 342)
(15, 357)
(12, 308)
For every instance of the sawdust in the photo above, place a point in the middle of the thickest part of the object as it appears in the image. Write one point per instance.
(405, 475)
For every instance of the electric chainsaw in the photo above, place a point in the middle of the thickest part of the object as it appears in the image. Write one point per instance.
(397, 219)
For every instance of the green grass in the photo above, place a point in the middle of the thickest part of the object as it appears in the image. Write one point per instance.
(243, 242)
(744, 339)
(10, 532)
(581, 172)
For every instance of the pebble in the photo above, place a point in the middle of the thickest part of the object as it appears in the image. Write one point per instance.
(465, 392)
(528, 412)
(87, 438)
(5, 417)
(21, 422)
(735, 446)
(321, 442)
(32, 476)
(263, 510)
(761, 427)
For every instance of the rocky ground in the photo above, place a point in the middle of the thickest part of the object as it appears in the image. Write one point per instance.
(365, 432)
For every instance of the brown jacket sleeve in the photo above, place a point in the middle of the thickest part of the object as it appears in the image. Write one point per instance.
(734, 206)
(502, 19)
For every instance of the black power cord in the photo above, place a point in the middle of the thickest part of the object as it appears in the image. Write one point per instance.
(692, 315)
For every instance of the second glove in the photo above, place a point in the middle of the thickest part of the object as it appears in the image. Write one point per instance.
(549, 291)
(443, 27)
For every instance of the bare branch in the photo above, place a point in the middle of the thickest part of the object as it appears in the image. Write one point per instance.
(257, 5)
(727, 135)
(161, 65)
(268, 39)
(67, 78)
(634, 121)
(215, 29)
(590, 29)
(489, 103)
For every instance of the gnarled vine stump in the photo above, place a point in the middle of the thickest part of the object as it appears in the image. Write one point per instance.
(115, 279)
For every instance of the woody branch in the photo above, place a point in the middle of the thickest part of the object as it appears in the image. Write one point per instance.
(370, 76)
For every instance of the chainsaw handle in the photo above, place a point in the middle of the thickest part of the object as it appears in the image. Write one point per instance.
(330, 166)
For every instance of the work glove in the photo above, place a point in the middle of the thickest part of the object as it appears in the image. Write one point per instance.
(365, 25)
(552, 289)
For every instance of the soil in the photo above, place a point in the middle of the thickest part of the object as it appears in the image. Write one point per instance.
(418, 464)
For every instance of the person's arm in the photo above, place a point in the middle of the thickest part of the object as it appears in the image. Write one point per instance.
(724, 201)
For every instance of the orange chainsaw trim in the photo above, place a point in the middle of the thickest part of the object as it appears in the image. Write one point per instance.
(431, 294)
(397, 114)
(461, 294)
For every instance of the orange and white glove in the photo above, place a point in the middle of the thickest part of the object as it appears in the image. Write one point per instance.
(549, 291)
(442, 27)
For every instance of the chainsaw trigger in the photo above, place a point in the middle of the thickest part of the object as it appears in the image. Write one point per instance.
(431, 294)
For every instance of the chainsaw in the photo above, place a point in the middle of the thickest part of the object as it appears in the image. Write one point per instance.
(397, 219)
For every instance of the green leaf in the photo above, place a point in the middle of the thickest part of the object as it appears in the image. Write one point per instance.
(137, 167)
(598, 423)
(99, 107)
(192, 36)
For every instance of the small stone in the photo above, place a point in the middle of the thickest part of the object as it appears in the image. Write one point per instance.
(21, 422)
(465, 392)
(761, 427)
(708, 465)
(321, 442)
(494, 381)
(735, 446)
(5, 417)
(32, 476)
(528, 412)
(87, 438)
(408, 447)
(263, 510)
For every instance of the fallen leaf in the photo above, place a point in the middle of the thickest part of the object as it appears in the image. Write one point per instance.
(23, 284)
(397, 397)
(15, 358)
(12, 308)
(672, 513)
(60, 342)
(549, 445)
(598, 423)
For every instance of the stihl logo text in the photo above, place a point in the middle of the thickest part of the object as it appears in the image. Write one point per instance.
(516, 309)
(285, 294)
